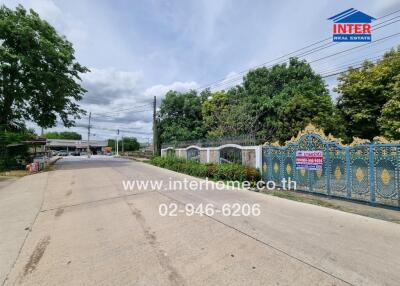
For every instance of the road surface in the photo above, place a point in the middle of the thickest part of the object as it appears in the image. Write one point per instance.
(78, 226)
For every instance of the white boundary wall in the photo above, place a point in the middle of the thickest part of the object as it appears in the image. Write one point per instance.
(209, 151)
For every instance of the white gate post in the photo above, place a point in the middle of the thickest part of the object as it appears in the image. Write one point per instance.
(259, 157)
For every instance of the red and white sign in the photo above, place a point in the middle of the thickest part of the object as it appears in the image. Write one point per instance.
(309, 160)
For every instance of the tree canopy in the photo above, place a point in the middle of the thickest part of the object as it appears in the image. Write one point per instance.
(276, 103)
(273, 103)
(369, 98)
(180, 116)
(130, 144)
(39, 75)
(287, 97)
(63, 135)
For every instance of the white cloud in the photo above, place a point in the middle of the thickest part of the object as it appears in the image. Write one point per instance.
(230, 80)
(118, 100)
(154, 46)
(68, 25)
(106, 86)
(160, 90)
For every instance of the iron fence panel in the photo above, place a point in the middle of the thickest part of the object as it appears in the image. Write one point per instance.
(364, 172)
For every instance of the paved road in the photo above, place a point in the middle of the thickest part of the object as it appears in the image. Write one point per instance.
(78, 226)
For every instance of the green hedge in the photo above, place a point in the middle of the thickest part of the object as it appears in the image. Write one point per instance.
(220, 172)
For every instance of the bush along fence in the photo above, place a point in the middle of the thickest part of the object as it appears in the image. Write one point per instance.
(221, 172)
(363, 171)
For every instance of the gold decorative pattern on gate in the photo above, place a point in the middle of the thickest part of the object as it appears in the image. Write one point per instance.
(385, 176)
(276, 168)
(288, 169)
(360, 174)
(338, 173)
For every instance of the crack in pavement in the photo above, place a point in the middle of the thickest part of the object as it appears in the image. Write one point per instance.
(95, 201)
(263, 242)
(174, 277)
(251, 237)
(36, 255)
(28, 233)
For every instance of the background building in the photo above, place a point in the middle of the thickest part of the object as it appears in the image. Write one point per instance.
(96, 146)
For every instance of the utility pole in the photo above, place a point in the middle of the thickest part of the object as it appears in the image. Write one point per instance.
(122, 142)
(117, 141)
(154, 126)
(88, 136)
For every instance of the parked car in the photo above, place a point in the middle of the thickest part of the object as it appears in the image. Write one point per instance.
(62, 153)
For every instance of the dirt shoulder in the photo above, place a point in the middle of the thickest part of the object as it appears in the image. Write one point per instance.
(377, 212)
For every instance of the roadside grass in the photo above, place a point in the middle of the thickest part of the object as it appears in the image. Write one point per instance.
(376, 212)
(49, 168)
(299, 197)
(23, 173)
(137, 159)
(15, 173)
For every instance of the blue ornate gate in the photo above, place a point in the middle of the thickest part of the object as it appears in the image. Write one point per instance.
(365, 172)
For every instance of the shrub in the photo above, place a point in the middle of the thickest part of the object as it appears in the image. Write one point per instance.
(221, 172)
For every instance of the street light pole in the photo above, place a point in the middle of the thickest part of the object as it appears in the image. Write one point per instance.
(122, 143)
(117, 141)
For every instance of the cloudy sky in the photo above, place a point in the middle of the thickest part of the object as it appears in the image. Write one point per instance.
(140, 49)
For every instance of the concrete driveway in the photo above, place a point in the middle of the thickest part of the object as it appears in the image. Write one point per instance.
(78, 226)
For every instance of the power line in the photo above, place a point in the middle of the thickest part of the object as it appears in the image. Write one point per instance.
(360, 61)
(360, 65)
(116, 115)
(121, 130)
(353, 48)
(228, 83)
(124, 109)
(315, 49)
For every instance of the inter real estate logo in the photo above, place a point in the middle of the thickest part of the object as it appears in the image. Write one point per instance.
(352, 26)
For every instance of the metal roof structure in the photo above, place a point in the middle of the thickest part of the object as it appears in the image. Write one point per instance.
(75, 143)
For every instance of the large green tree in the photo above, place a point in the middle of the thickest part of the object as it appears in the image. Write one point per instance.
(389, 122)
(63, 135)
(180, 117)
(230, 113)
(273, 103)
(129, 143)
(369, 98)
(39, 75)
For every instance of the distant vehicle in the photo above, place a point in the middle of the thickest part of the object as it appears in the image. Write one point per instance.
(83, 153)
(62, 153)
(40, 158)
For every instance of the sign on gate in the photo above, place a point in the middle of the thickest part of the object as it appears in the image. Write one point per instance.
(309, 160)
